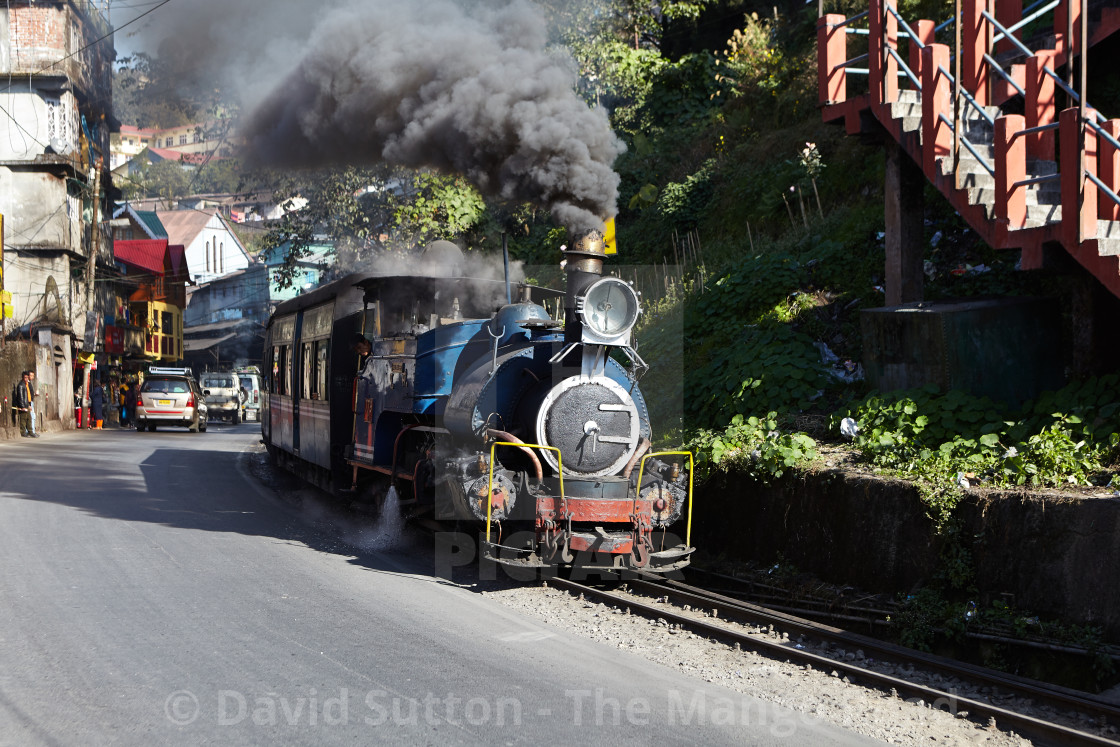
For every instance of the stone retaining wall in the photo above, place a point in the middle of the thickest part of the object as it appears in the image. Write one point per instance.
(1054, 554)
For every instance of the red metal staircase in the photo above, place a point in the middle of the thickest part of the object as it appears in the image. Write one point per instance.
(1035, 181)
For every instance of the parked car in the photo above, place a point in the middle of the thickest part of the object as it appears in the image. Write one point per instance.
(171, 396)
(223, 397)
(251, 394)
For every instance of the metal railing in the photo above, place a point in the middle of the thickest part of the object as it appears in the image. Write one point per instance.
(964, 141)
(1093, 177)
(969, 98)
(1003, 73)
(962, 99)
(1029, 15)
(905, 68)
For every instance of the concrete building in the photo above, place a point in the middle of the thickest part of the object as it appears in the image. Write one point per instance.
(213, 249)
(240, 295)
(55, 185)
(206, 139)
(148, 320)
(306, 273)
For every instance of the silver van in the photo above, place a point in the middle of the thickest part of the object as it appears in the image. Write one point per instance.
(222, 396)
(250, 393)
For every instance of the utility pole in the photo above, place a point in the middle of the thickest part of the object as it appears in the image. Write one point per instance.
(3, 316)
(94, 242)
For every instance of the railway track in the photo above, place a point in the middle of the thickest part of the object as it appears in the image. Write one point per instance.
(784, 636)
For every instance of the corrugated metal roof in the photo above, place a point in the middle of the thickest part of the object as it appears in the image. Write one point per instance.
(147, 254)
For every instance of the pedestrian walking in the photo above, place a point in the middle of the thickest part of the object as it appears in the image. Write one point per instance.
(96, 404)
(123, 393)
(23, 402)
(131, 397)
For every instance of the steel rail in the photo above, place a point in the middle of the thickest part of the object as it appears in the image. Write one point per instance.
(1103, 187)
(762, 594)
(1028, 18)
(1037, 180)
(1020, 685)
(783, 650)
(968, 97)
(909, 32)
(854, 60)
(853, 19)
(1009, 37)
(1003, 73)
(905, 68)
(964, 141)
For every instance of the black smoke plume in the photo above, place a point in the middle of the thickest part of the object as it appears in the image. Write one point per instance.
(429, 84)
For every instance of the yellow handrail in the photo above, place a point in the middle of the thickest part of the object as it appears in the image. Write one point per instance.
(637, 491)
(490, 484)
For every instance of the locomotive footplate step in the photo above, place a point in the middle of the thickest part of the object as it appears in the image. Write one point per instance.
(672, 554)
(511, 555)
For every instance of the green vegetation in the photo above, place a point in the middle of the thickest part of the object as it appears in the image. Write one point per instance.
(753, 231)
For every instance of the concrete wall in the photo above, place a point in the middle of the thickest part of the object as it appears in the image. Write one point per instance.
(1053, 554)
(54, 405)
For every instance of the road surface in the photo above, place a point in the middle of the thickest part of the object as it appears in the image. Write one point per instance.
(158, 588)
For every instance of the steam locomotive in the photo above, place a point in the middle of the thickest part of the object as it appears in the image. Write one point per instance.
(533, 429)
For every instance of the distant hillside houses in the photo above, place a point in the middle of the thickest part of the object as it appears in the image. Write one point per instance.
(194, 141)
(244, 207)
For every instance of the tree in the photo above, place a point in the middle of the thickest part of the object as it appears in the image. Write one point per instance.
(168, 180)
(144, 94)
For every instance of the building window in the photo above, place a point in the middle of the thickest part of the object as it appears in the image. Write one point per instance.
(208, 256)
(182, 140)
(222, 256)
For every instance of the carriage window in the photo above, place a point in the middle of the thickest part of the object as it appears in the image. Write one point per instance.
(287, 368)
(322, 349)
(307, 363)
(281, 370)
(274, 376)
(314, 368)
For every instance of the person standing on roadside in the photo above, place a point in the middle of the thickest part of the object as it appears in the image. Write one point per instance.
(96, 404)
(130, 398)
(34, 394)
(23, 403)
(123, 393)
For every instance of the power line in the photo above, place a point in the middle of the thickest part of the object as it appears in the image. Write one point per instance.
(103, 37)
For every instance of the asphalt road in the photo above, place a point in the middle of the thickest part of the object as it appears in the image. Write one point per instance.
(157, 588)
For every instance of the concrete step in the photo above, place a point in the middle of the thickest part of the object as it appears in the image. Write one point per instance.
(987, 195)
(1108, 238)
(1039, 167)
(974, 177)
(901, 109)
(1043, 214)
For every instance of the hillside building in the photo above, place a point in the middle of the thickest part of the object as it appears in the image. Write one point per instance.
(213, 249)
(55, 61)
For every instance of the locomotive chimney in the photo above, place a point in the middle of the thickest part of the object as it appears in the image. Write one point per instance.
(584, 265)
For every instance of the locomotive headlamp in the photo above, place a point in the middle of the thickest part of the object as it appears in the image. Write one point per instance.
(609, 309)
